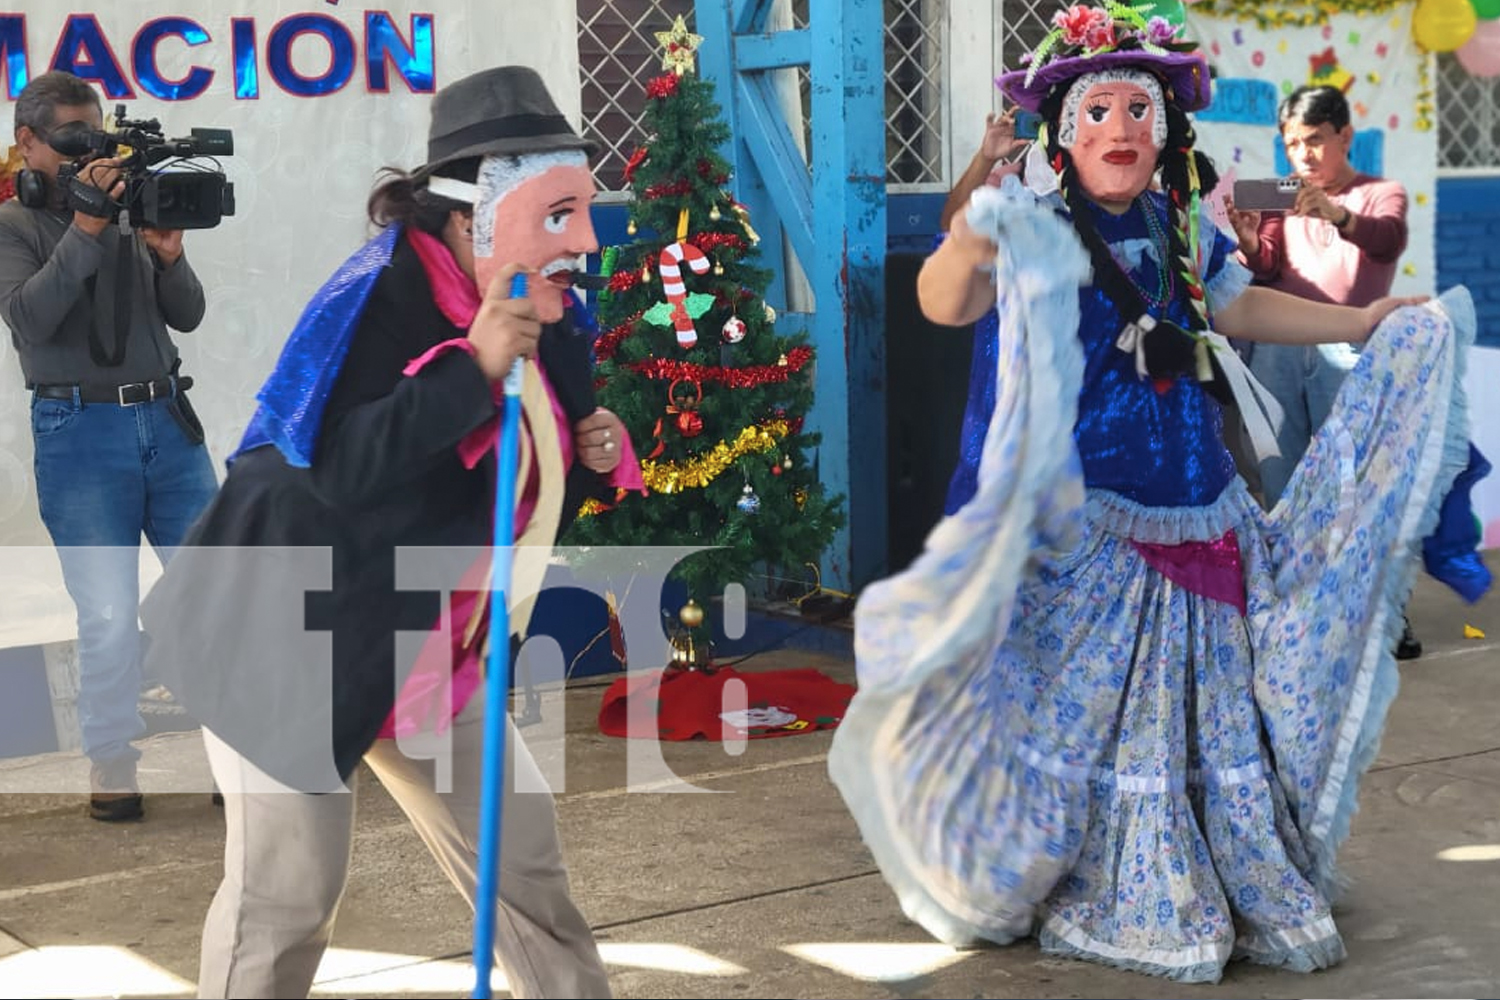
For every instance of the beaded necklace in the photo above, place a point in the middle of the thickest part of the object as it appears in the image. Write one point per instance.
(1157, 233)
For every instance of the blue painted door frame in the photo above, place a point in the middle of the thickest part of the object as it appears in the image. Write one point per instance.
(832, 212)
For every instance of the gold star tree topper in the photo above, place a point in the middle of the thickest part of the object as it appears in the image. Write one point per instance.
(679, 45)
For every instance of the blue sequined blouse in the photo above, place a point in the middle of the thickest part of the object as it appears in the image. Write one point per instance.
(1159, 449)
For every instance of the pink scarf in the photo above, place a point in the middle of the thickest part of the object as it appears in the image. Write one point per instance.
(458, 299)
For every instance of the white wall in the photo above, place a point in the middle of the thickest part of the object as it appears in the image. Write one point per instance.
(302, 169)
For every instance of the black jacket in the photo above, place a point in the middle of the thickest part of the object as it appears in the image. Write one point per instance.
(238, 636)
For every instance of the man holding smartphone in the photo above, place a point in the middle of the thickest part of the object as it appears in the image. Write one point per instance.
(1346, 230)
(1340, 242)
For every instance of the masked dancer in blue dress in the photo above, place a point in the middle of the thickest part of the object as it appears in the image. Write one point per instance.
(1115, 704)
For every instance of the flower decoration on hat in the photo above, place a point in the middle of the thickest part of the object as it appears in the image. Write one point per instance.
(1086, 37)
(679, 45)
(1081, 30)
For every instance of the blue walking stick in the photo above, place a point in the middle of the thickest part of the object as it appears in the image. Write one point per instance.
(497, 686)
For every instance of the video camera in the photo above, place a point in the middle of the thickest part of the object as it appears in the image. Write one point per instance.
(167, 183)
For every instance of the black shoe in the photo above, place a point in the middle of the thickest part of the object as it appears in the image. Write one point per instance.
(1410, 647)
(114, 796)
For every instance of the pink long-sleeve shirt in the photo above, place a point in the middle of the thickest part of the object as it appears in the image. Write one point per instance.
(1311, 259)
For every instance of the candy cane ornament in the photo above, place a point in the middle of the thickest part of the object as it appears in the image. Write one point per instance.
(670, 265)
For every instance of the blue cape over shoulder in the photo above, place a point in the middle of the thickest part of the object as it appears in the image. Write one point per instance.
(293, 397)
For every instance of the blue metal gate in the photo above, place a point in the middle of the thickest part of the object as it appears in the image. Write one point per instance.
(831, 209)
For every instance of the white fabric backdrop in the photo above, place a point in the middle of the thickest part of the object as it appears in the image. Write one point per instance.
(302, 169)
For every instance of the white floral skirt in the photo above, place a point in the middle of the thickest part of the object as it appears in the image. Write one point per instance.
(1053, 737)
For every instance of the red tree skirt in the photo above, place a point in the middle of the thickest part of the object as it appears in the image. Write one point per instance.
(690, 704)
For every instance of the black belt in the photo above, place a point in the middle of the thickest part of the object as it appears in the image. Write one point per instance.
(130, 394)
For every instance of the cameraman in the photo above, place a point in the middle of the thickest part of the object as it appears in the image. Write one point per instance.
(118, 450)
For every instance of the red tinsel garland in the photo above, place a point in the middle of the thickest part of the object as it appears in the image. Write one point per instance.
(676, 188)
(709, 242)
(670, 369)
(662, 87)
(624, 281)
(609, 340)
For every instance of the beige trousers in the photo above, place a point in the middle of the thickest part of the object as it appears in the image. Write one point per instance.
(286, 859)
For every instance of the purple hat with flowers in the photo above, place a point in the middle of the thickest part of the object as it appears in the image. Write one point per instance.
(1086, 38)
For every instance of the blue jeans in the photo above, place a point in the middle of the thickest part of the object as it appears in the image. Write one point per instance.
(1305, 381)
(104, 474)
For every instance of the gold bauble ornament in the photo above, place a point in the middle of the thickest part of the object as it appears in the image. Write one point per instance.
(630, 227)
(691, 614)
(715, 214)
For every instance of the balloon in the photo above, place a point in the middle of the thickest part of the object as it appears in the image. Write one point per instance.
(1486, 10)
(1174, 12)
(1480, 55)
(1443, 25)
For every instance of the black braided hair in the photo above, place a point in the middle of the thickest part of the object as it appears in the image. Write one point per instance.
(1179, 161)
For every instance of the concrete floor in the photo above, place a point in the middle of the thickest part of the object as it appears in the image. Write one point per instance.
(763, 889)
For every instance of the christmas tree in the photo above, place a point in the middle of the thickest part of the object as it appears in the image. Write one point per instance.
(688, 357)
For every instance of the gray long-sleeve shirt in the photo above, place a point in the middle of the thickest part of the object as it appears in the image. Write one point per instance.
(45, 264)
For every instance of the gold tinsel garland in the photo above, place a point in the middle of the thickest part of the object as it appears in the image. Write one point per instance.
(1426, 106)
(673, 477)
(1293, 13)
(591, 507)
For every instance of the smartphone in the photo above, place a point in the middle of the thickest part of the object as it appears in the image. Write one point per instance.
(1028, 124)
(1277, 194)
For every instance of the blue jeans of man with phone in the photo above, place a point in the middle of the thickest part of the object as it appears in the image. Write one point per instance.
(1306, 380)
(104, 474)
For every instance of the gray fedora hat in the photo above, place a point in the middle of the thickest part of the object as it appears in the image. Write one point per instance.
(505, 110)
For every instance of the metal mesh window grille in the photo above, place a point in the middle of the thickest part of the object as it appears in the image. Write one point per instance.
(1468, 117)
(618, 54)
(914, 71)
(1023, 25)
